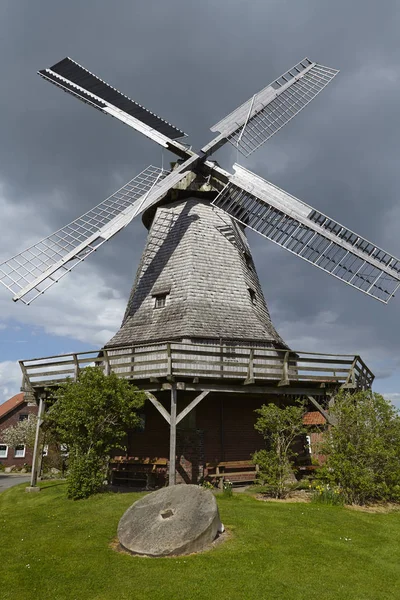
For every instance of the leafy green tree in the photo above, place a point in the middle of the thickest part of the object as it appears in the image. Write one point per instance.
(363, 449)
(91, 417)
(279, 427)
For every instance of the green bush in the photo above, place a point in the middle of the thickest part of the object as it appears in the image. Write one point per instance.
(279, 427)
(91, 417)
(363, 449)
(86, 475)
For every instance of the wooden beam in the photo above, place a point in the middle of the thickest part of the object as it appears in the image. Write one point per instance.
(26, 381)
(285, 371)
(350, 382)
(169, 360)
(191, 406)
(330, 419)
(76, 367)
(172, 439)
(107, 369)
(250, 369)
(36, 447)
(159, 407)
(239, 388)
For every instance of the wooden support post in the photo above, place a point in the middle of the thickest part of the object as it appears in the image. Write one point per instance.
(76, 367)
(250, 370)
(172, 438)
(37, 449)
(107, 369)
(350, 382)
(170, 376)
(285, 370)
(25, 379)
(133, 359)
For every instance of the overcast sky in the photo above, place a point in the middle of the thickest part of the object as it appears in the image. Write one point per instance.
(192, 63)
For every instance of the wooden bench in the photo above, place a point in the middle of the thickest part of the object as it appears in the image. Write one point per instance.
(236, 471)
(125, 471)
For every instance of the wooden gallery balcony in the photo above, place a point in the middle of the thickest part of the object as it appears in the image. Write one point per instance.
(155, 366)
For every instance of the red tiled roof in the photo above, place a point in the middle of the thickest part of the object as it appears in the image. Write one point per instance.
(314, 418)
(10, 404)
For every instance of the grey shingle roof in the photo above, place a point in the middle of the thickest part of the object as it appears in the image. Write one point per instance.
(200, 258)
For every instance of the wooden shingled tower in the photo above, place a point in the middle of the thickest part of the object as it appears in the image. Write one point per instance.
(197, 324)
(196, 279)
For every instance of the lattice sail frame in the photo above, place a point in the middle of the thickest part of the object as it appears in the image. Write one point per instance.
(257, 204)
(257, 120)
(307, 233)
(47, 261)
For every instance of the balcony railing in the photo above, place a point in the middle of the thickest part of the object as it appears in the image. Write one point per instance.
(261, 365)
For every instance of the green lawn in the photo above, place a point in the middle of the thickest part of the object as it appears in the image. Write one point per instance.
(54, 548)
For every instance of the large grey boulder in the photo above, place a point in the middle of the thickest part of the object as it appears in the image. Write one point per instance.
(174, 520)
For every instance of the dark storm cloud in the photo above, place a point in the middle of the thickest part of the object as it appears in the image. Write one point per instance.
(192, 63)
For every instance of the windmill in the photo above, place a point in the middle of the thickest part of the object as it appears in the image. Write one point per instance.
(249, 199)
(196, 320)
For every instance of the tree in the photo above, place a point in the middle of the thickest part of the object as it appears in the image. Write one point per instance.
(363, 449)
(21, 434)
(279, 427)
(91, 417)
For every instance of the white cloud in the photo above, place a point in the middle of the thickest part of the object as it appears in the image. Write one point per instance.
(82, 306)
(10, 379)
(393, 397)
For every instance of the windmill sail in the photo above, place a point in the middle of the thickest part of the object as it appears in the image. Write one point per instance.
(248, 198)
(309, 234)
(81, 83)
(33, 271)
(254, 122)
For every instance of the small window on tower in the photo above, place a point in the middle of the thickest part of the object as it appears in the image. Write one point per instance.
(160, 300)
(252, 295)
(249, 262)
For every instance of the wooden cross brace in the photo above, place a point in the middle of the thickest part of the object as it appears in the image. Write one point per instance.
(163, 411)
(173, 419)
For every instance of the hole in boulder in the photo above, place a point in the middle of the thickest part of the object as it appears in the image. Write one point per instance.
(166, 514)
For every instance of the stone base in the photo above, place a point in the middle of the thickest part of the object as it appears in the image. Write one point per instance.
(31, 488)
(180, 519)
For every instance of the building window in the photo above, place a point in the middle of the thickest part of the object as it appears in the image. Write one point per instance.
(308, 443)
(3, 451)
(249, 262)
(160, 300)
(22, 417)
(252, 295)
(19, 451)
